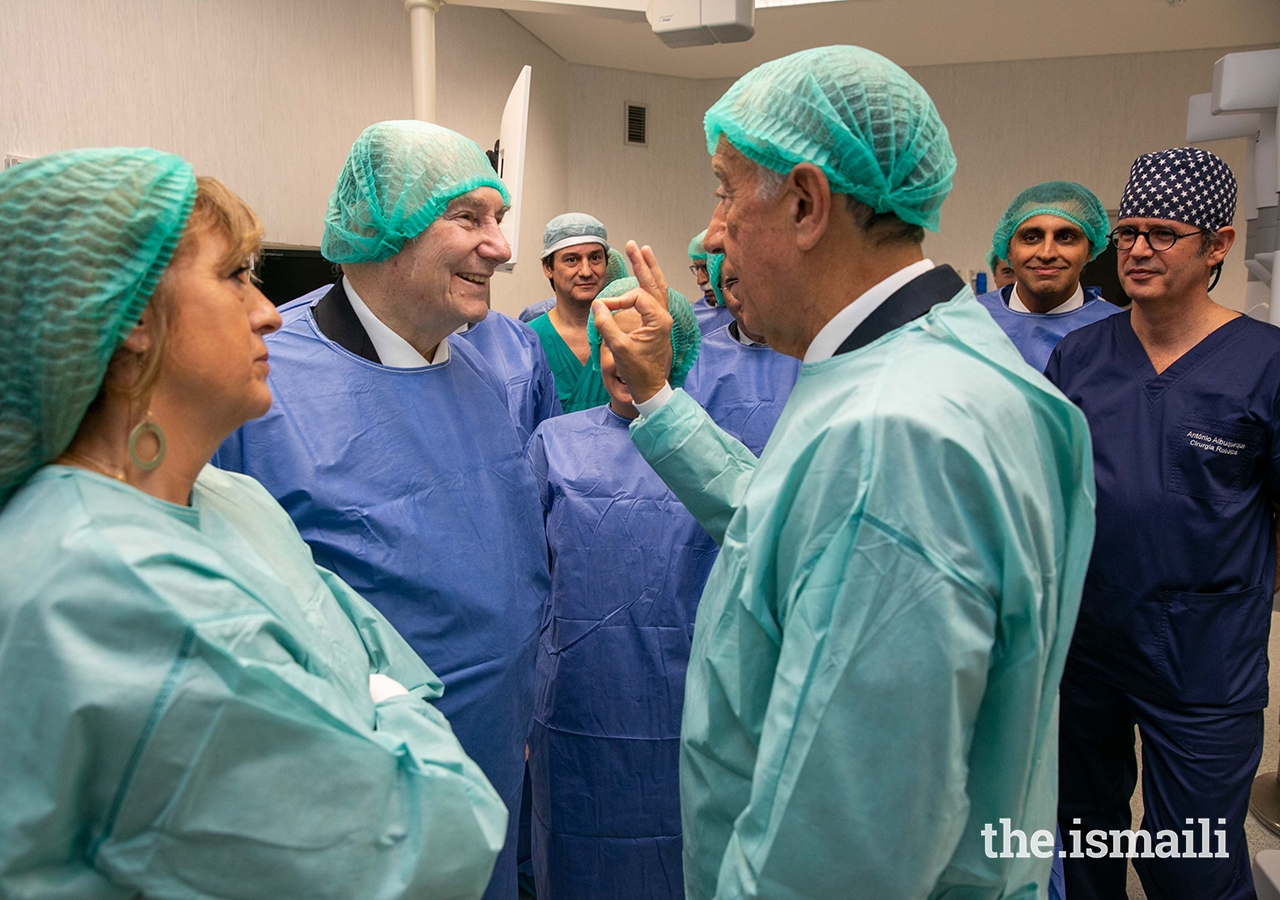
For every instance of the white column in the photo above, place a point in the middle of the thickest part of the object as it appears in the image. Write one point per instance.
(422, 49)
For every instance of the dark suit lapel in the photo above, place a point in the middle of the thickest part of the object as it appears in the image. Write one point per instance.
(909, 302)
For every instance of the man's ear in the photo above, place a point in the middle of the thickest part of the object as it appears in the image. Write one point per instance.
(1221, 246)
(809, 194)
(548, 266)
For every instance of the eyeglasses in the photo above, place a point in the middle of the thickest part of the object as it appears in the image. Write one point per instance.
(698, 269)
(1158, 238)
(729, 284)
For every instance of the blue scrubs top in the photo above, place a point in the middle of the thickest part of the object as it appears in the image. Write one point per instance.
(533, 310)
(411, 485)
(742, 388)
(1035, 334)
(515, 353)
(1177, 603)
(628, 567)
(710, 317)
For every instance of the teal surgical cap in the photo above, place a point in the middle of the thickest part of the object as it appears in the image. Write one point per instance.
(398, 179)
(992, 259)
(617, 267)
(852, 113)
(686, 339)
(571, 229)
(715, 271)
(87, 235)
(1064, 199)
(697, 252)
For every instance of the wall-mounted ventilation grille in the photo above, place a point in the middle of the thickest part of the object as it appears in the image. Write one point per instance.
(637, 124)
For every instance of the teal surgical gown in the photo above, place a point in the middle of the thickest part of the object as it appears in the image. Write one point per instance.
(186, 712)
(874, 669)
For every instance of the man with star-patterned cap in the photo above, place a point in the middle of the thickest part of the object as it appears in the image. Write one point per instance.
(1182, 395)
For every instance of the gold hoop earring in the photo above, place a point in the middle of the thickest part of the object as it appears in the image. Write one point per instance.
(146, 426)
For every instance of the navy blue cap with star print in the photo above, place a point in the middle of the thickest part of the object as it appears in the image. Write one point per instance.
(1185, 184)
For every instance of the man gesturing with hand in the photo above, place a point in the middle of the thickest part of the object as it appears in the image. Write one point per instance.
(877, 651)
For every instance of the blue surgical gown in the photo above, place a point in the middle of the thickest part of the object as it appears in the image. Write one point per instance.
(1036, 335)
(711, 317)
(411, 485)
(874, 670)
(186, 712)
(1177, 606)
(533, 310)
(742, 388)
(628, 564)
(515, 353)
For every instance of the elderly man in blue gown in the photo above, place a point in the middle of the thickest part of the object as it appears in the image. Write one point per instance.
(391, 443)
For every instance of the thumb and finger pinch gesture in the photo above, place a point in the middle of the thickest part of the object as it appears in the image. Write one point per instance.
(643, 355)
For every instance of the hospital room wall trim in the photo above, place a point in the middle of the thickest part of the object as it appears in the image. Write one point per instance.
(269, 94)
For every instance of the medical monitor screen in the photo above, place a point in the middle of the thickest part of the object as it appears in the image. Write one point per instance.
(289, 271)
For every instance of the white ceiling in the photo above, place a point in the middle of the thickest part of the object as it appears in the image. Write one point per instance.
(911, 32)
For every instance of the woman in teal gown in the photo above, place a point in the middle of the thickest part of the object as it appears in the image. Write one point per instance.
(192, 708)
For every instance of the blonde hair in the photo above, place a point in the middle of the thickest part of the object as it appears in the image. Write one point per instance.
(216, 210)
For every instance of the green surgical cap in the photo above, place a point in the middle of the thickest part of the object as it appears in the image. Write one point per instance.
(398, 179)
(697, 252)
(686, 339)
(87, 235)
(1064, 199)
(852, 113)
(992, 259)
(715, 270)
(571, 229)
(617, 267)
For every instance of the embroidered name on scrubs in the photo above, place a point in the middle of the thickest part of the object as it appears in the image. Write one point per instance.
(1212, 458)
(1216, 444)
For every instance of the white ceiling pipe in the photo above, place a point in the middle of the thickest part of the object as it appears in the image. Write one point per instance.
(422, 50)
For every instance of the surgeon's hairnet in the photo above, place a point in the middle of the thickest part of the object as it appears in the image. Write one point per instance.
(571, 229)
(854, 114)
(697, 252)
(398, 179)
(715, 271)
(1064, 199)
(87, 235)
(686, 338)
(617, 267)
(992, 258)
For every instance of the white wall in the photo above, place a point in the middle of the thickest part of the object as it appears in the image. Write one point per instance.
(660, 194)
(269, 95)
(1014, 124)
(265, 96)
(479, 56)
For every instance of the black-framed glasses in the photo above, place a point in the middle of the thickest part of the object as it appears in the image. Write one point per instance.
(698, 269)
(1159, 238)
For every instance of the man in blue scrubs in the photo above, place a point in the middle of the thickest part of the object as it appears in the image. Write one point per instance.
(1182, 398)
(391, 446)
(1047, 235)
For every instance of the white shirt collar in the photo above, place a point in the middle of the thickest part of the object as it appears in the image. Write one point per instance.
(393, 351)
(827, 341)
(735, 332)
(1071, 305)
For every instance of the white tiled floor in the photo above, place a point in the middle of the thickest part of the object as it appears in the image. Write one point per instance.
(1259, 837)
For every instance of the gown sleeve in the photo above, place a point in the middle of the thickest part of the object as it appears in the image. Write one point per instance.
(702, 463)
(247, 772)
